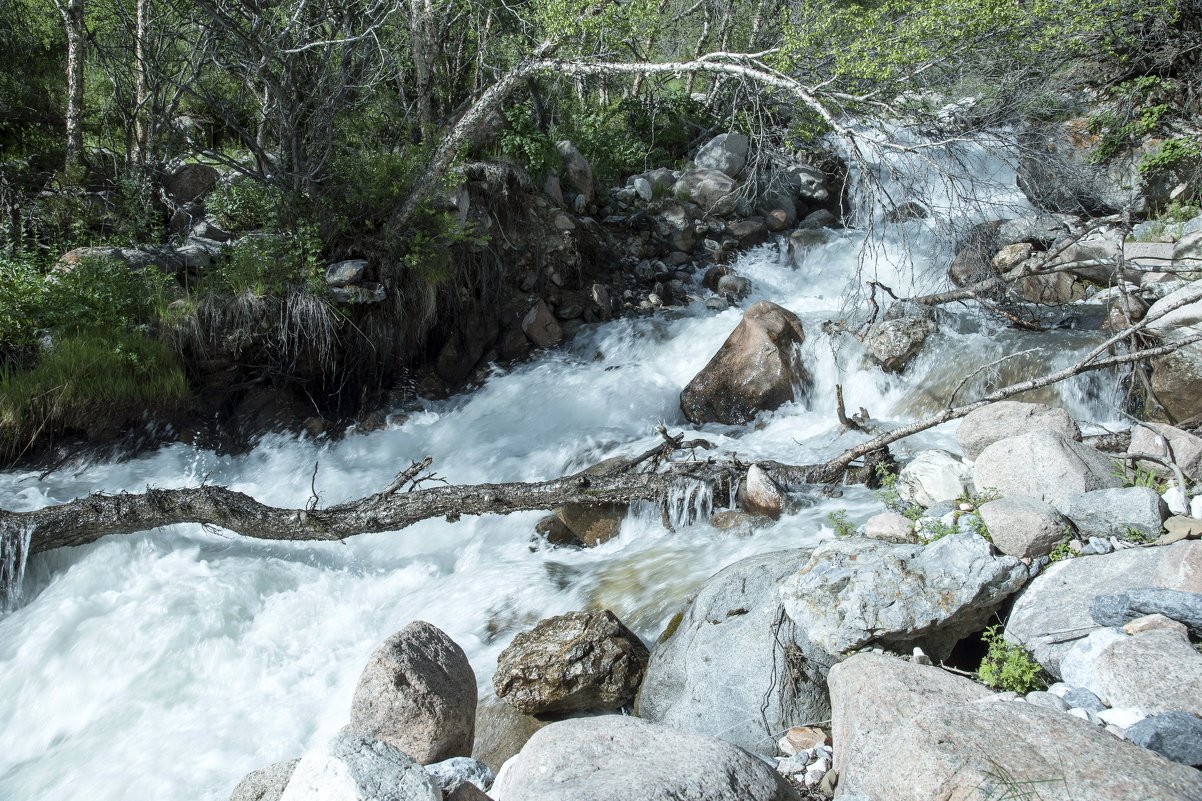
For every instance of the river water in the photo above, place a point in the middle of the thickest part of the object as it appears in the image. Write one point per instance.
(166, 665)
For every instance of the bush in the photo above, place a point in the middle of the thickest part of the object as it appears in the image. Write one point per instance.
(245, 205)
(268, 263)
(1007, 666)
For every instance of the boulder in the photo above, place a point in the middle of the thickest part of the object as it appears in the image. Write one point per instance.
(1056, 172)
(855, 592)
(758, 368)
(265, 784)
(418, 693)
(352, 766)
(1005, 419)
(726, 153)
(706, 655)
(1177, 377)
(898, 338)
(760, 495)
(1043, 464)
(346, 272)
(1117, 610)
(1151, 439)
(1173, 735)
(715, 192)
(749, 232)
(806, 181)
(1053, 611)
(1114, 512)
(190, 182)
(1023, 527)
(612, 758)
(501, 731)
(934, 476)
(540, 325)
(577, 173)
(572, 662)
(1050, 289)
(452, 774)
(890, 527)
(1155, 671)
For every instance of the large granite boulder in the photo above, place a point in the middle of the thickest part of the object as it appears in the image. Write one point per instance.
(1177, 376)
(265, 784)
(702, 676)
(418, 693)
(1153, 671)
(501, 731)
(715, 192)
(853, 593)
(1005, 419)
(1115, 512)
(934, 476)
(726, 153)
(1156, 439)
(1052, 613)
(615, 758)
(758, 368)
(572, 662)
(191, 182)
(1043, 464)
(352, 766)
(577, 173)
(897, 339)
(1024, 527)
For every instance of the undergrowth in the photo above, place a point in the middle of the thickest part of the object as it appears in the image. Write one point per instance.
(1007, 666)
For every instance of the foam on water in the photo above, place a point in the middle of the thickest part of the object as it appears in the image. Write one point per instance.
(166, 665)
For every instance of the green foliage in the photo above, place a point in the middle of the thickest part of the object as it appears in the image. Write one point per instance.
(246, 205)
(1138, 107)
(1007, 666)
(839, 522)
(523, 142)
(1062, 550)
(1177, 153)
(934, 529)
(1135, 535)
(1140, 477)
(889, 495)
(268, 263)
(976, 524)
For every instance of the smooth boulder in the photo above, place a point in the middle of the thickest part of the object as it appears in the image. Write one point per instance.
(852, 593)
(934, 476)
(758, 368)
(1151, 439)
(418, 693)
(726, 153)
(1024, 527)
(265, 784)
(897, 339)
(615, 758)
(352, 766)
(572, 662)
(1116, 512)
(715, 192)
(1005, 419)
(1043, 464)
(1155, 671)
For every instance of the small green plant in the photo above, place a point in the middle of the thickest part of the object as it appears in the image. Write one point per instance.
(934, 529)
(1131, 534)
(1140, 477)
(890, 496)
(839, 522)
(1007, 666)
(245, 205)
(977, 525)
(1177, 153)
(523, 142)
(1062, 550)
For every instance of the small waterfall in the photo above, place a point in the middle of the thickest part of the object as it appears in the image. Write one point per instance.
(14, 550)
(689, 501)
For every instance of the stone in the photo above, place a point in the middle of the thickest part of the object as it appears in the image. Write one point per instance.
(190, 182)
(733, 287)
(806, 181)
(352, 766)
(347, 272)
(715, 192)
(418, 693)
(1011, 256)
(1156, 671)
(265, 784)
(1005, 419)
(749, 232)
(1081, 698)
(819, 219)
(1056, 172)
(572, 662)
(642, 187)
(1173, 735)
(760, 495)
(578, 175)
(1113, 512)
(1180, 528)
(1023, 527)
(1053, 611)
(890, 527)
(919, 736)
(934, 476)
(501, 731)
(1047, 701)
(1043, 464)
(895, 342)
(705, 657)
(726, 153)
(593, 525)
(757, 369)
(1123, 717)
(541, 327)
(801, 738)
(854, 593)
(1153, 622)
(1150, 439)
(453, 773)
(615, 757)
(1117, 610)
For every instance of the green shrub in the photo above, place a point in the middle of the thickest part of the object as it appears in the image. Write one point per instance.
(839, 522)
(1177, 153)
(1062, 551)
(246, 205)
(523, 142)
(268, 263)
(1007, 666)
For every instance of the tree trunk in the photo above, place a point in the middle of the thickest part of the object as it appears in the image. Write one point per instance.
(72, 12)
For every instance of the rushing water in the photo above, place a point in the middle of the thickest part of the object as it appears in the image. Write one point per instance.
(164, 666)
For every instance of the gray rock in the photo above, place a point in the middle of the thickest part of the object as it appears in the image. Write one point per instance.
(1053, 611)
(418, 693)
(1111, 512)
(705, 657)
(1043, 464)
(760, 495)
(265, 784)
(1081, 698)
(1047, 701)
(1174, 735)
(541, 327)
(806, 182)
(191, 182)
(734, 286)
(756, 369)
(1156, 671)
(352, 766)
(346, 272)
(819, 219)
(1006, 419)
(852, 593)
(451, 774)
(572, 662)
(715, 192)
(1023, 527)
(894, 343)
(501, 731)
(890, 527)
(1150, 438)
(1116, 610)
(933, 477)
(726, 153)
(577, 173)
(614, 757)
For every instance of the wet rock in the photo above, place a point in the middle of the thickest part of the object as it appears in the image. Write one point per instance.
(898, 338)
(612, 757)
(726, 153)
(1117, 610)
(1151, 439)
(593, 525)
(852, 593)
(806, 182)
(715, 192)
(760, 495)
(1051, 289)
(1005, 419)
(501, 731)
(541, 327)
(819, 219)
(265, 784)
(352, 766)
(749, 232)
(190, 182)
(934, 476)
(755, 370)
(452, 774)
(734, 614)
(1114, 512)
(890, 527)
(556, 532)
(1023, 527)
(733, 287)
(1053, 611)
(345, 272)
(1043, 464)
(418, 693)
(1173, 735)
(577, 173)
(578, 661)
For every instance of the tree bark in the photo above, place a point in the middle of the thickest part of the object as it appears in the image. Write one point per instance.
(72, 12)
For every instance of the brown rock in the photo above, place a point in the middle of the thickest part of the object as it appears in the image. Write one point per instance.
(760, 495)
(191, 181)
(755, 370)
(540, 325)
(501, 731)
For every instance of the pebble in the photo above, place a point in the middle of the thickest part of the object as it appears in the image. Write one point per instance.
(1085, 714)
(1081, 698)
(801, 739)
